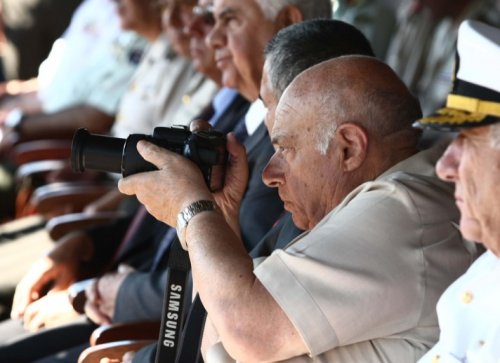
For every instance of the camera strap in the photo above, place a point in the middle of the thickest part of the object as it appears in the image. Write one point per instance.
(192, 333)
(178, 267)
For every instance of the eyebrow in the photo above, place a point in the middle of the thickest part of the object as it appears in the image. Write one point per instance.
(225, 12)
(276, 138)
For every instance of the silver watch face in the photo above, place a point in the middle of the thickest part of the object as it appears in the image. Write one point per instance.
(189, 212)
(193, 209)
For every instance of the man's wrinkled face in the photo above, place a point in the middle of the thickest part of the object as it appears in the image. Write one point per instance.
(200, 26)
(306, 179)
(240, 34)
(177, 14)
(473, 164)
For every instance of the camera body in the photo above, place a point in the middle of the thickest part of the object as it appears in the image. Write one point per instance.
(207, 149)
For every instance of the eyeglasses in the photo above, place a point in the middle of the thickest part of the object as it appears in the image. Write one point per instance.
(205, 13)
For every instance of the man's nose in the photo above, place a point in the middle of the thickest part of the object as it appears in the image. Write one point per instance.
(447, 165)
(214, 38)
(273, 175)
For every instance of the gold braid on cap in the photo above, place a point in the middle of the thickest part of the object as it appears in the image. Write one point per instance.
(473, 105)
(454, 117)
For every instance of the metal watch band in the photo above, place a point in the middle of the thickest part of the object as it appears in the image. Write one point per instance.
(188, 213)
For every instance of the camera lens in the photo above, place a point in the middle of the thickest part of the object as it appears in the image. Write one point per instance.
(96, 152)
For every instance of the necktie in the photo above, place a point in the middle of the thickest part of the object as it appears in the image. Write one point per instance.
(132, 230)
(164, 246)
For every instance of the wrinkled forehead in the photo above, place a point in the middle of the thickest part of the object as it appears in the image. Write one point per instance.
(290, 110)
(221, 6)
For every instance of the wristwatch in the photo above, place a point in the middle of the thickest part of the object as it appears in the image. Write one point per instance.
(188, 213)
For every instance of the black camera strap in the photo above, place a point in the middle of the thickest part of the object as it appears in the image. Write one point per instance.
(178, 266)
(192, 333)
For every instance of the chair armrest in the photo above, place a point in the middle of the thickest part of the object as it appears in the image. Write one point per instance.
(114, 350)
(29, 151)
(58, 226)
(40, 168)
(143, 330)
(71, 197)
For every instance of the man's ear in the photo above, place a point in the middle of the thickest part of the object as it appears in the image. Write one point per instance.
(289, 15)
(352, 139)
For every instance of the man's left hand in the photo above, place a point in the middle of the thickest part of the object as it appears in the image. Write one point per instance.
(164, 193)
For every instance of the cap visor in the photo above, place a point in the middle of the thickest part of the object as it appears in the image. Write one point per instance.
(451, 119)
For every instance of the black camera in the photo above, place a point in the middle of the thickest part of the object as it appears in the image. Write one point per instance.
(207, 149)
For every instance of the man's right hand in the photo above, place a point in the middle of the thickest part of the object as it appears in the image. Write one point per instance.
(57, 270)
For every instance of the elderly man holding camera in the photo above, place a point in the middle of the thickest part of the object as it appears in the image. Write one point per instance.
(361, 284)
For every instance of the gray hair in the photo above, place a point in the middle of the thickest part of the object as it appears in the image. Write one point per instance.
(310, 9)
(324, 136)
(495, 135)
(300, 46)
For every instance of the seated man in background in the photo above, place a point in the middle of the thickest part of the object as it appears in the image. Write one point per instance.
(138, 15)
(361, 283)
(468, 311)
(100, 53)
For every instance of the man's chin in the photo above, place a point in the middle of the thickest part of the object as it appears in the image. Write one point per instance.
(299, 222)
(470, 229)
(228, 79)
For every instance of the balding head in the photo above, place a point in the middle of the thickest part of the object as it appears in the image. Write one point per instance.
(360, 90)
(339, 124)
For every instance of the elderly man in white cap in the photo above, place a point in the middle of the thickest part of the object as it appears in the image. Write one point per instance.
(469, 310)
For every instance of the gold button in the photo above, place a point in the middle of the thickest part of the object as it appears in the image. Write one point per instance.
(186, 100)
(436, 358)
(467, 297)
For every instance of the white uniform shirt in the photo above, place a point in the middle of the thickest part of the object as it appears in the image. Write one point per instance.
(92, 63)
(469, 316)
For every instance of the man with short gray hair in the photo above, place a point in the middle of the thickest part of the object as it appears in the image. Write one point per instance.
(242, 30)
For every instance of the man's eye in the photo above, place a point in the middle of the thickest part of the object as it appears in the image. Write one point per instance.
(227, 20)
